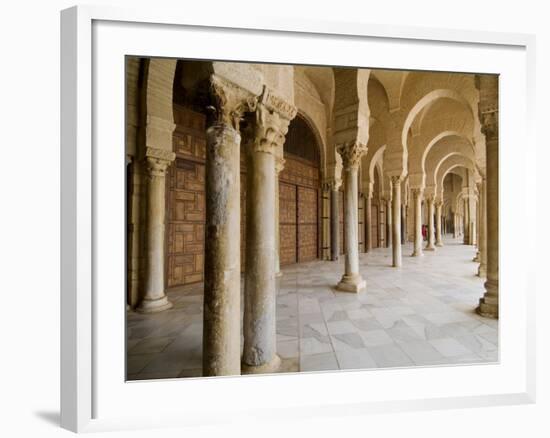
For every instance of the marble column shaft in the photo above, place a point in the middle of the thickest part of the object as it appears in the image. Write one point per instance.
(417, 199)
(334, 223)
(221, 331)
(389, 223)
(466, 222)
(431, 226)
(482, 244)
(489, 305)
(155, 299)
(439, 224)
(368, 230)
(260, 286)
(279, 166)
(351, 280)
(260, 291)
(396, 223)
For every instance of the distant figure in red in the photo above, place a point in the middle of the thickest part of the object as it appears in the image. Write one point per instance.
(424, 232)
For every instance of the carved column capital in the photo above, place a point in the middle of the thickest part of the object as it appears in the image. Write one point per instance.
(417, 192)
(272, 117)
(351, 153)
(333, 184)
(158, 160)
(232, 101)
(395, 180)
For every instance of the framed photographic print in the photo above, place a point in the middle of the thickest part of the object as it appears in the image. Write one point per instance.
(267, 218)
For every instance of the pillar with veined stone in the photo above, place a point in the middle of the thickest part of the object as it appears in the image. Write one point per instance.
(396, 222)
(430, 246)
(334, 220)
(466, 222)
(368, 221)
(351, 153)
(439, 222)
(482, 243)
(389, 215)
(222, 269)
(403, 224)
(154, 298)
(488, 114)
(417, 194)
(279, 166)
(272, 118)
(455, 226)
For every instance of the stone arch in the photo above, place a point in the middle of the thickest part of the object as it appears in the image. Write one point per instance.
(419, 90)
(449, 146)
(446, 118)
(321, 147)
(312, 108)
(449, 164)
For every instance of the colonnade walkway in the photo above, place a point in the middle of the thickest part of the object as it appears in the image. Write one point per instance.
(421, 314)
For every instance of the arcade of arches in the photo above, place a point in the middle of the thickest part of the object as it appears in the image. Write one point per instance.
(353, 191)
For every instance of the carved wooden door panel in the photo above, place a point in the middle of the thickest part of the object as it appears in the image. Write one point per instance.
(186, 219)
(287, 223)
(307, 224)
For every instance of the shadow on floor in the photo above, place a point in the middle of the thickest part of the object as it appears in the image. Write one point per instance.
(51, 417)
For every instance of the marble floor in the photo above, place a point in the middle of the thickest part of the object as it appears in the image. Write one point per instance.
(419, 315)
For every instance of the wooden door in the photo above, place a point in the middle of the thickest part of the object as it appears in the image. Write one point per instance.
(186, 219)
(307, 224)
(287, 223)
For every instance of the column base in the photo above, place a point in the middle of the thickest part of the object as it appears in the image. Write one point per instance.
(351, 283)
(482, 271)
(476, 258)
(266, 368)
(278, 274)
(439, 244)
(429, 248)
(153, 306)
(488, 308)
(417, 254)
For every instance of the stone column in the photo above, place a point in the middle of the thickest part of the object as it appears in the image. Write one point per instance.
(488, 112)
(455, 226)
(388, 223)
(431, 228)
(368, 220)
(351, 155)
(417, 199)
(439, 224)
(222, 252)
(466, 222)
(279, 166)
(334, 222)
(396, 223)
(477, 257)
(403, 225)
(482, 243)
(259, 323)
(157, 162)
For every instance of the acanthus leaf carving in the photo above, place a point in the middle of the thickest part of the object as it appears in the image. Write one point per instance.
(232, 101)
(351, 153)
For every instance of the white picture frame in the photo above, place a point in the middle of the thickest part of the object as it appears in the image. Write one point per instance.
(89, 400)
